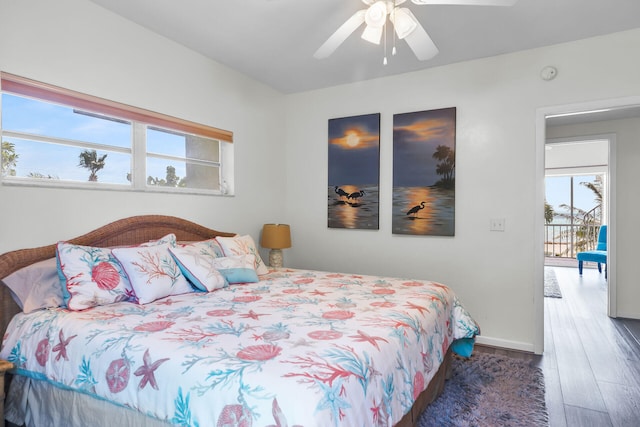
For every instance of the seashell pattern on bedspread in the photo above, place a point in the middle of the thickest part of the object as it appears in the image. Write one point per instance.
(298, 347)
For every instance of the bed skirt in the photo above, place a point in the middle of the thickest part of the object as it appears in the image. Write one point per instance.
(36, 403)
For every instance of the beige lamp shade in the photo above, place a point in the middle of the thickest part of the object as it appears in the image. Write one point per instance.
(276, 236)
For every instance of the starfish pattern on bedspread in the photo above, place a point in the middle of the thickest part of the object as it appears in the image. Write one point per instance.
(61, 347)
(148, 369)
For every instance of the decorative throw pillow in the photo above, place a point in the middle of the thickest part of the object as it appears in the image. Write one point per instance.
(90, 276)
(152, 271)
(237, 269)
(196, 263)
(169, 238)
(36, 286)
(211, 246)
(240, 245)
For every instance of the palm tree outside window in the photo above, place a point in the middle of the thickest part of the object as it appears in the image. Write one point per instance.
(573, 213)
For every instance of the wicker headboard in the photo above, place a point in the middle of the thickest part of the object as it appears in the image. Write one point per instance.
(127, 231)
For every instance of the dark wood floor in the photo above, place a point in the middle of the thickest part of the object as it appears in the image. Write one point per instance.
(591, 362)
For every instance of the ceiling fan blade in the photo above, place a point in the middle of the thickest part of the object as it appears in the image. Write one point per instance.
(468, 2)
(340, 35)
(420, 42)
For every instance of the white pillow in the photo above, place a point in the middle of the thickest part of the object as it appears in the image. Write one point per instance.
(36, 286)
(196, 263)
(211, 246)
(152, 271)
(241, 245)
(169, 238)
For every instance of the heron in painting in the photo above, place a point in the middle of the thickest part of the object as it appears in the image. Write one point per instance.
(340, 192)
(414, 210)
(356, 195)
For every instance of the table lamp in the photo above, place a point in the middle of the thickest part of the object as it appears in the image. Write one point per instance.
(275, 237)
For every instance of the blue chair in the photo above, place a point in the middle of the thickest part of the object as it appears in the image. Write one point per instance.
(599, 255)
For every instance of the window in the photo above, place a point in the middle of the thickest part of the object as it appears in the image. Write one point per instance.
(179, 160)
(52, 136)
(573, 213)
(575, 199)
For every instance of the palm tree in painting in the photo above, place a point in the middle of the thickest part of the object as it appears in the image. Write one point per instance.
(89, 160)
(446, 165)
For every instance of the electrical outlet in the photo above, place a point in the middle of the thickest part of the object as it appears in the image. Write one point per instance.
(496, 224)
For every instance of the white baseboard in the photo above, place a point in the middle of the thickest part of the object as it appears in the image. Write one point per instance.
(511, 345)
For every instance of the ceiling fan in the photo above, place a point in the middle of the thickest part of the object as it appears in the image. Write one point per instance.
(406, 25)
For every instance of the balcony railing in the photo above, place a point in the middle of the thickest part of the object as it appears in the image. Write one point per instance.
(565, 240)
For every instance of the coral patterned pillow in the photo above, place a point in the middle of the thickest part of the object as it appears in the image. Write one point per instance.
(196, 263)
(240, 245)
(152, 271)
(169, 238)
(211, 246)
(90, 276)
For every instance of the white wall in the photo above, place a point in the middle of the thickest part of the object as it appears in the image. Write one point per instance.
(627, 174)
(81, 46)
(496, 100)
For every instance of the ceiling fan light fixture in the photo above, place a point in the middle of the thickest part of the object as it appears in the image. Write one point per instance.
(376, 15)
(403, 22)
(372, 34)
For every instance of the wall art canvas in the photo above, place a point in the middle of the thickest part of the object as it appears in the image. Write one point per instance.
(424, 160)
(354, 172)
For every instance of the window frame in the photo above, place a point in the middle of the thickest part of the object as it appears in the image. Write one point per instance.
(140, 120)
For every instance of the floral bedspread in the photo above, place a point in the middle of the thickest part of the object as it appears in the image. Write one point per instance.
(298, 348)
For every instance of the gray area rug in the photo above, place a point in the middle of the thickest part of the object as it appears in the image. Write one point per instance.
(551, 288)
(492, 391)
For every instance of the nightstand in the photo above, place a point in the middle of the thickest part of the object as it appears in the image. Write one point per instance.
(4, 367)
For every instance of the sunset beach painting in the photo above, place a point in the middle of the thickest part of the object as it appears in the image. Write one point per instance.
(424, 172)
(354, 172)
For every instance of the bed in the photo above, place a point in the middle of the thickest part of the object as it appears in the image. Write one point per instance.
(243, 345)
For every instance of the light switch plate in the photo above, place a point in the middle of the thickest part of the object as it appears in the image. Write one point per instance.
(496, 224)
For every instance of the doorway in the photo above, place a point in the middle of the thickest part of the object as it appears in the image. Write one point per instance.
(588, 112)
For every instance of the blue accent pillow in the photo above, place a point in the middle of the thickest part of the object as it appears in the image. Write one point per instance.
(463, 346)
(237, 269)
